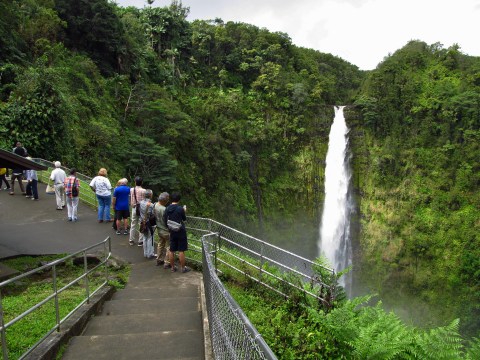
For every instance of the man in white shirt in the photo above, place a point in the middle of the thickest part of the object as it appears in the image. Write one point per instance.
(58, 176)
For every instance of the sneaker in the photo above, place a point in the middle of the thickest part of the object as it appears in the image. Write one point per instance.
(166, 266)
(69, 219)
(59, 208)
(11, 193)
(118, 232)
(186, 269)
(174, 269)
(160, 262)
(75, 219)
(140, 244)
(126, 232)
(34, 199)
(131, 243)
(28, 196)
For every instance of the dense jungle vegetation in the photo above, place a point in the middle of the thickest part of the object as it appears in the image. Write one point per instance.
(236, 118)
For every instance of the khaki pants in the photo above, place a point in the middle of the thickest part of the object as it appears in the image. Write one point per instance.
(163, 246)
(60, 195)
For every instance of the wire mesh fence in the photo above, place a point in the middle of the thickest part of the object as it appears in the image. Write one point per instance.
(232, 334)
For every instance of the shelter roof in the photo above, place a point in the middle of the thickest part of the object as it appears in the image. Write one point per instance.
(10, 160)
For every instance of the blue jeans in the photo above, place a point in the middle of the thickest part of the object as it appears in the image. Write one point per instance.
(104, 207)
(32, 189)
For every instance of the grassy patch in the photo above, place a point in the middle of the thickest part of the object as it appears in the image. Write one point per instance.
(20, 296)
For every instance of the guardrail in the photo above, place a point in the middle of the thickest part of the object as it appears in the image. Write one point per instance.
(56, 291)
(263, 262)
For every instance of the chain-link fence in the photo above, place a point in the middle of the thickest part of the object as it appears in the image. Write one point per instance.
(233, 336)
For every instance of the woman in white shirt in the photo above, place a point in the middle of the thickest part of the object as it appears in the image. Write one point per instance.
(103, 189)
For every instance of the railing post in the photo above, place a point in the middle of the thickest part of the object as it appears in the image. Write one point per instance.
(262, 248)
(105, 258)
(57, 310)
(4, 331)
(216, 250)
(85, 272)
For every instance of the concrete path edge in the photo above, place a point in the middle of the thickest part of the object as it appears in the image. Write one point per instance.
(206, 325)
(73, 326)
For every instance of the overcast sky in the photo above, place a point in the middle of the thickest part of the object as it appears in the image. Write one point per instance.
(362, 32)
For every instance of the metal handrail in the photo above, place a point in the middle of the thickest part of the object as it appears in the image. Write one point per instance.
(107, 251)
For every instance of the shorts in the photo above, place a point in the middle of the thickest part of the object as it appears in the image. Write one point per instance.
(122, 214)
(178, 244)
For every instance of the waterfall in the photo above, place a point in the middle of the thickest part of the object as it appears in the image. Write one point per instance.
(335, 242)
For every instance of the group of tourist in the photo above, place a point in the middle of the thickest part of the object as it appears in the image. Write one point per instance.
(166, 209)
(136, 204)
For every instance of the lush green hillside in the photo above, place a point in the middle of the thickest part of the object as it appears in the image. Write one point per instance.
(416, 132)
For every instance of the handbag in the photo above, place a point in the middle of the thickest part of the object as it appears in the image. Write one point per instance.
(173, 225)
(50, 189)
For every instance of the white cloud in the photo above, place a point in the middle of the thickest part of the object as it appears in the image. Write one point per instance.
(362, 32)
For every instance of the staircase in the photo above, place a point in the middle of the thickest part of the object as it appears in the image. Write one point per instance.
(157, 316)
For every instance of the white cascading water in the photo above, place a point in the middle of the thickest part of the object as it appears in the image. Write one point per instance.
(335, 242)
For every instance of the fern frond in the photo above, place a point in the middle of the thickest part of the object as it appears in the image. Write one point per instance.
(442, 343)
(473, 349)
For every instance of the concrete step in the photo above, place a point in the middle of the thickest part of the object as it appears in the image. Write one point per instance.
(151, 306)
(156, 345)
(144, 323)
(166, 291)
(142, 278)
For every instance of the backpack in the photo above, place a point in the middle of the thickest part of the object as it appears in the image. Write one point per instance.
(74, 188)
(148, 221)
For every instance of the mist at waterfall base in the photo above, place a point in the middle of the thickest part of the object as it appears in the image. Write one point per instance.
(335, 235)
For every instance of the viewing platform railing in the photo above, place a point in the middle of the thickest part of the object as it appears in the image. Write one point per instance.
(53, 301)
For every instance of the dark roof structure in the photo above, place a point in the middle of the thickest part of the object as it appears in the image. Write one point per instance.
(10, 160)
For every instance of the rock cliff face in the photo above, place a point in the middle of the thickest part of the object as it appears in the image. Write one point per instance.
(402, 245)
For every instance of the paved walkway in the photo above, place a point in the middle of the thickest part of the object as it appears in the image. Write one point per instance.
(158, 314)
